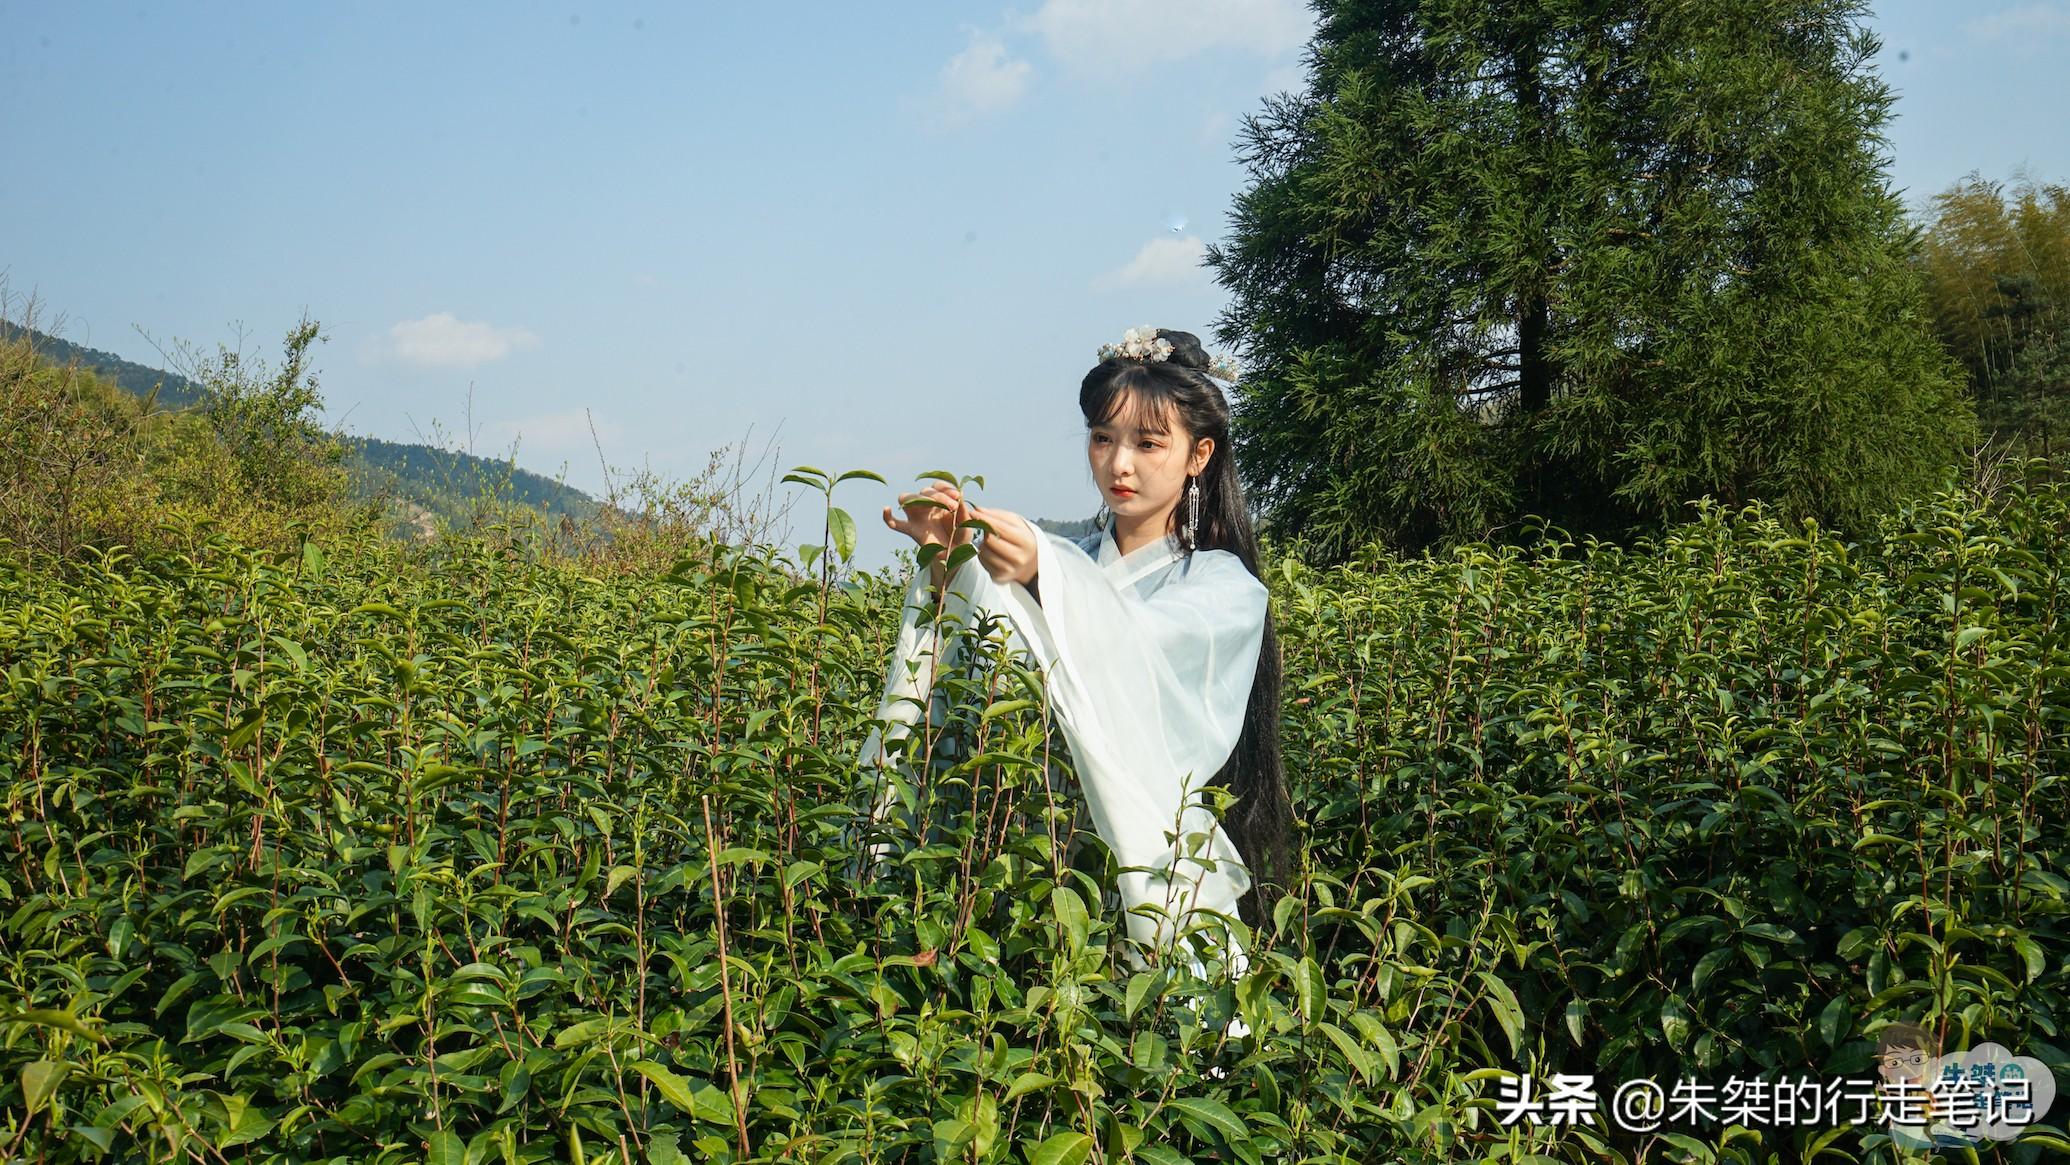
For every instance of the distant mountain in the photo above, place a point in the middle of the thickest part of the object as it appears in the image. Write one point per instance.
(427, 480)
(421, 479)
(174, 391)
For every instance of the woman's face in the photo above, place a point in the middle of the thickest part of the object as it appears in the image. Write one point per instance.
(1140, 463)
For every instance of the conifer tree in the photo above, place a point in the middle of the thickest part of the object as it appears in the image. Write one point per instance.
(1590, 259)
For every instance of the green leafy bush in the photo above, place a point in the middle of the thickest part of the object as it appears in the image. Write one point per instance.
(373, 852)
(86, 465)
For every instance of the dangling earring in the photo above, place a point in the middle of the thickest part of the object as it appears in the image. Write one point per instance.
(1192, 510)
(1105, 516)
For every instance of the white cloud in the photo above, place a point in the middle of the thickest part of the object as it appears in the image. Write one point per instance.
(1097, 35)
(564, 434)
(1118, 38)
(1160, 262)
(2039, 20)
(981, 79)
(441, 340)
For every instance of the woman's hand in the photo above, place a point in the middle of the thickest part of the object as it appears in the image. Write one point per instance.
(1008, 552)
(930, 525)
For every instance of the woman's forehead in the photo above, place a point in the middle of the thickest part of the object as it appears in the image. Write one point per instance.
(1129, 411)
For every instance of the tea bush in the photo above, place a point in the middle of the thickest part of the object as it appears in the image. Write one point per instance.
(85, 464)
(457, 854)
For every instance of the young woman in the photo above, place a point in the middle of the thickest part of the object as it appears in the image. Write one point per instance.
(1153, 635)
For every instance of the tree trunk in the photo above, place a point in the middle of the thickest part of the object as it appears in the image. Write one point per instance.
(1533, 315)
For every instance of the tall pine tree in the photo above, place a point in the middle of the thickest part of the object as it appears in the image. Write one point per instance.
(1590, 259)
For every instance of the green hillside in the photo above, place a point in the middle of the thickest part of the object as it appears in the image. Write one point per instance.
(417, 480)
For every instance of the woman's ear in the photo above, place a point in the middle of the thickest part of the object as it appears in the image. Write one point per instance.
(1203, 451)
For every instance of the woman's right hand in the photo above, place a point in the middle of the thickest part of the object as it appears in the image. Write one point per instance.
(927, 524)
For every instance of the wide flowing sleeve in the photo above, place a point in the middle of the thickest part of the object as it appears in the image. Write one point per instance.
(922, 648)
(908, 691)
(1150, 692)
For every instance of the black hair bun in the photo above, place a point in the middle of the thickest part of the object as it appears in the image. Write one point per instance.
(1186, 349)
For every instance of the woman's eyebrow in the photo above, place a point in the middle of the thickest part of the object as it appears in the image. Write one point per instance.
(1158, 432)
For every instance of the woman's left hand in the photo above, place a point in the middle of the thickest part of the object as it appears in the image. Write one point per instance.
(1008, 553)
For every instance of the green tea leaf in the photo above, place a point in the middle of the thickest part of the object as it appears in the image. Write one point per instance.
(1139, 987)
(1070, 911)
(673, 1088)
(1502, 1002)
(1214, 1114)
(40, 1079)
(841, 528)
(1062, 1149)
(1361, 1059)
(1310, 990)
(1025, 1083)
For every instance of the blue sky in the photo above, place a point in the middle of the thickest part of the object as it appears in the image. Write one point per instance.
(884, 236)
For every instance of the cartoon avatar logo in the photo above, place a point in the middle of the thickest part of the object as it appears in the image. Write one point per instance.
(1943, 1101)
(1905, 1053)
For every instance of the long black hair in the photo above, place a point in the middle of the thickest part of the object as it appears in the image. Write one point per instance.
(1261, 821)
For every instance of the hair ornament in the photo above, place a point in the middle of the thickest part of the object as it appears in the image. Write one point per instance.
(1138, 344)
(1145, 344)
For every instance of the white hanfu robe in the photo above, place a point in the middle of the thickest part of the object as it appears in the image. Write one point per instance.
(1148, 661)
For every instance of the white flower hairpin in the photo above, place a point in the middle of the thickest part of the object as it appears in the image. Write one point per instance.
(1145, 344)
(1138, 344)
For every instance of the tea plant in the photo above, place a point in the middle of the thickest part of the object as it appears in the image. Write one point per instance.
(456, 853)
